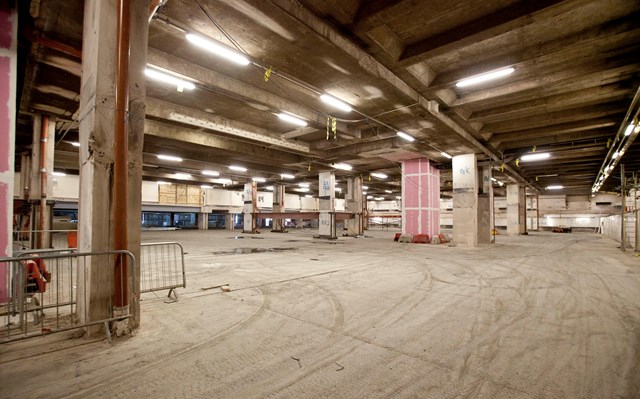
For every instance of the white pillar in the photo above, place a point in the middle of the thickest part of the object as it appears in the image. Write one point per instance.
(353, 199)
(203, 221)
(465, 200)
(278, 206)
(485, 207)
(326, 197)
(250, 207)
(516, 207)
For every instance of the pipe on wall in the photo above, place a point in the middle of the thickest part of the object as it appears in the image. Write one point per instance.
(44, 137)
(121, 289)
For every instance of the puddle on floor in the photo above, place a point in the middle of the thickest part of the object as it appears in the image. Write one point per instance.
(243, 251)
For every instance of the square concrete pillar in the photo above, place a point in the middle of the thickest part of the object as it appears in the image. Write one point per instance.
(485, 207)
(228, 221)
(420, 197)
(326, 197)
(354, 204)
(203, 221)
(516, 209)
(8, 74)
(250, 198)
(38, 197)
(465, 200)
(278, 206)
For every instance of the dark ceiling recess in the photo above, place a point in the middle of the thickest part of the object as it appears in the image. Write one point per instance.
(397, 63)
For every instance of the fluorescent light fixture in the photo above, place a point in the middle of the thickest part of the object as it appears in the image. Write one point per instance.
(259, 179)
(169, 158)
(338, 189)
(398, 197)
(388, 191)
(75, 144)
(58, 174)
(629, 129)
(379, 175)
(557, 187)
(615, 154)
(162, 182)
(205, 186)
(210, 173)
(287, 176)
(163, 77)
(379, 198)
(218, 48)
(342, 166)
(237, 168)
(301, 189)
(405, 136)
(535, 156)
(223, 181)
(291, 119)
(308, 196)
(364, 193)
(303, 185)
(269, 188)
(444, 154)
(369, 196)
(365, 187)
(477, 79)
(336, 103)
(494, 179)
(181, 176)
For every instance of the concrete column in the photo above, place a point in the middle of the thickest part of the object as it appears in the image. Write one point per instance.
(228, 221)
(8, 74)
(485, 207)
(465, 200)
(354, 204)
(250, 207)
(25, 176)
(203, 221)
(278, 206)
(35, 192)
(97, 117)
(516, 208)
(420, 197)
(326, 201)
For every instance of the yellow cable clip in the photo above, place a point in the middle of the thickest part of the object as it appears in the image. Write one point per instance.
(267, 74)
(518, 162)
(536, 178)
(309, 168)
(328, 121)
(533, 149)
(334, 127)
(608, 143)
(502, 168)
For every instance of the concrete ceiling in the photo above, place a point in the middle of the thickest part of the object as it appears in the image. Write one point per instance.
(577, 69)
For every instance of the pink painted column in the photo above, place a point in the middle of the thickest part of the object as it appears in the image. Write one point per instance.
(8, 60)
(420, 197)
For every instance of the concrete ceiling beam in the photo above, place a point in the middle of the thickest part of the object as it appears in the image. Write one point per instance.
(563, 128)
(172, 132)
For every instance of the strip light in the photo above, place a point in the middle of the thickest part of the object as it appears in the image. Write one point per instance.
(292, 119)
(58, 174)
(342, 166)
(336, 103)
(405, 136)
(169, 158)
(259, 179)
(218, 49)
(378, 175)
(444, 154)
(287, 176)
(181, 176)
(237, 168)
(75, 144)
(211, 173)
(477, 79)
(180, 84)
(557, 187)
(535, 157)
(629, 130)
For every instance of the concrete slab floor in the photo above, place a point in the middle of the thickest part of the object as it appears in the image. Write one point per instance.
(539, 316)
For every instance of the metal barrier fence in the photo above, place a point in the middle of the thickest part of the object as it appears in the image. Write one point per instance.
(162, 267)
(45, 286)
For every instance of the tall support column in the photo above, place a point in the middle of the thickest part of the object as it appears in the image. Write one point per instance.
(41, 185)
(97, 115)
(278, 206)
(485, 207)
(250, 207)
(465, 200)
(420, 197)
(25, 176)
(354, 204)
(516, 210)
(8, 74)
(326, 201)
(203, 221)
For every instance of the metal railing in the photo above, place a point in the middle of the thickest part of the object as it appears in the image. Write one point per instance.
(162, 268)
(46, 286)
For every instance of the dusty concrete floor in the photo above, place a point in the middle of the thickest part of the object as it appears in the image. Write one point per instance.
(541, 316)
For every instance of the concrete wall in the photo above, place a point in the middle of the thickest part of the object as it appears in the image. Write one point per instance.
(611, 226)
